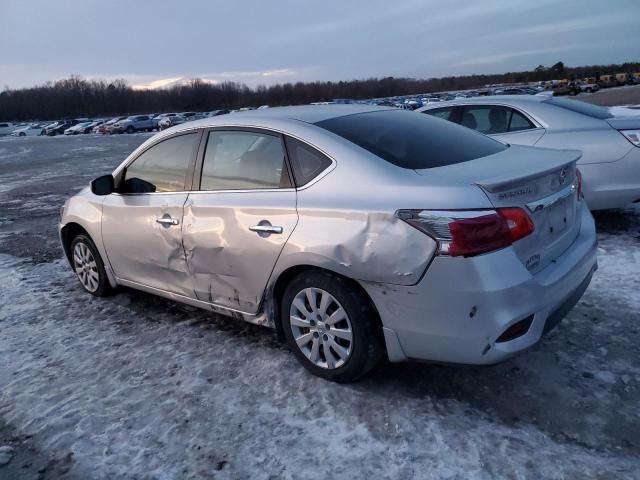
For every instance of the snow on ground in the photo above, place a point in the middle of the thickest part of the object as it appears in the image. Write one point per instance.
(138, 387)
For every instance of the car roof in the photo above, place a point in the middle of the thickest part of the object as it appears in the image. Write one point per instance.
(303, 113)
(510, 99)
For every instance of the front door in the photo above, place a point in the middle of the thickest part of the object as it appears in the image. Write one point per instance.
(142, 224)
(237, 224)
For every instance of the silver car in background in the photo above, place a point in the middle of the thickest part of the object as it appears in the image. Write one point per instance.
(610, 146)
(354, 231)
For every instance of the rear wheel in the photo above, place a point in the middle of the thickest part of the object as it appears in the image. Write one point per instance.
(330, 326)
(89, 267)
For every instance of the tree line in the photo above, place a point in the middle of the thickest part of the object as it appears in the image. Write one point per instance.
(78, 97)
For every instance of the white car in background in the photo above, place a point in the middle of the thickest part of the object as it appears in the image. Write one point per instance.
(610, 143)
(6, 128)
(28, 131)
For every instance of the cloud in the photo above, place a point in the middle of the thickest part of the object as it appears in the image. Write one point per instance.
(250, 77)
(155, 84)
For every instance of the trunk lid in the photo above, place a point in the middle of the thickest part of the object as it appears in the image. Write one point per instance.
(540, 181)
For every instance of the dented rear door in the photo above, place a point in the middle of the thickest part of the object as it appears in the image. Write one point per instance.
(236, 225)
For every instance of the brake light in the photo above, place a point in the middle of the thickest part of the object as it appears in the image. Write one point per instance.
(472, 232)
(579, 184)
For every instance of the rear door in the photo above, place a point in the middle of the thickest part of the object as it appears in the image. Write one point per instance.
(236, 225)
(142, 224)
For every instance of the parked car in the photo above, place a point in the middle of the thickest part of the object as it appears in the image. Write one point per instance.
(28, 131)
(609, 145)
(6, 128)
(170, 121)
(94, 124)
(380, 231)
(589, 87)
(158, 118)
(78, 128)
(106, 126)
(134, 123)
(58, 128)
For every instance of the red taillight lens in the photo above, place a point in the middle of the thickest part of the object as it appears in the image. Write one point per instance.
(469, 233)
(472, 236)
(579, 183)
(519, 223)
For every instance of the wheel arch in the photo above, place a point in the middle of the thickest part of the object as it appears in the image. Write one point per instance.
(71, 230)
(286, 276)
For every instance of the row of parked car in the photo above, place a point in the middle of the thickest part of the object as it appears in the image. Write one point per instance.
(121, 124)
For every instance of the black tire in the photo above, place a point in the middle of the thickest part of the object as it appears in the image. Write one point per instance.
(588, 90)
(367, 347)
(104, 287)
(130, 129)
(22, 134)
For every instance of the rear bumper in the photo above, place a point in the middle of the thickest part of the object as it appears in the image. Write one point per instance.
(458, 310)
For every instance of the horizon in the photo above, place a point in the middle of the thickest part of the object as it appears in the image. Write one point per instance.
(157, 43)
(168, 83)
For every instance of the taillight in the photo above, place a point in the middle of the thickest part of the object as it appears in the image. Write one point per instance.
(579, 184)
(471, 232)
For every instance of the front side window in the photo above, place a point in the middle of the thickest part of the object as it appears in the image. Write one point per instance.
(306, 162)
(161, 168)
(237, 160)
(412, 140)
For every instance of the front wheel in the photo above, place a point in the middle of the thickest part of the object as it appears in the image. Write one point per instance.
(89, 267)
(330, 326)
(130, 129)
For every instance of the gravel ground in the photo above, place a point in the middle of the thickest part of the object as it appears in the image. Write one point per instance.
(137, 387)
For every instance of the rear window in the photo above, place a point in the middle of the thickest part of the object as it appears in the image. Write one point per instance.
(412, 140)
(581, 107)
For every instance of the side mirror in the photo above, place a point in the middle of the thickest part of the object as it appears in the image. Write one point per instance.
(102, 185)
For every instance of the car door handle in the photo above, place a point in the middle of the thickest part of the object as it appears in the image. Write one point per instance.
(266, 229)
(167, 221)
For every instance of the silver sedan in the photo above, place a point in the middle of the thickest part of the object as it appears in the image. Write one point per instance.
(354, 231)
(610, 162)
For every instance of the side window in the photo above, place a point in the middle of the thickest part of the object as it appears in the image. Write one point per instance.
(486, 119)
(444, 112)
(236, 160)
(519, 122)
(161, 168)
(306, 162)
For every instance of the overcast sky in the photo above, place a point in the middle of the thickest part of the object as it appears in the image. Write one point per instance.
(265, 42)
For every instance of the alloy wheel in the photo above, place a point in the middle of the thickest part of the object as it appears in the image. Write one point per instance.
(86, 267)
(321, 328)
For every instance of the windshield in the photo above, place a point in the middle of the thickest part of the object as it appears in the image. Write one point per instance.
(412, 140)
(577, 106)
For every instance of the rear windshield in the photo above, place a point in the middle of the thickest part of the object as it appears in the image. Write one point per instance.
(412, 140)
(581, 107)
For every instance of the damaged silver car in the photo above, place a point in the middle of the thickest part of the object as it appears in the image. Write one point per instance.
(355, 231)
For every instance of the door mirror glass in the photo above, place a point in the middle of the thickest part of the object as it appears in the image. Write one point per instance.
(102, 185)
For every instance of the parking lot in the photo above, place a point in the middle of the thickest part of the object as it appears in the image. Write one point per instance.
(135, 386)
